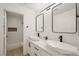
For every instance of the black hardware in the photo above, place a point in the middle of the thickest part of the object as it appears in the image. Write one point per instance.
(38, 34)
(36, 48)
(29, 45)
(37, 22)
(46, 38)
(75, 15)
(26, 26)
(35, 54)
(60, 37)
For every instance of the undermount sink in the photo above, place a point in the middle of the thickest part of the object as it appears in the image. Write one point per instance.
(34, 38)
(61, 47)
(57, 46)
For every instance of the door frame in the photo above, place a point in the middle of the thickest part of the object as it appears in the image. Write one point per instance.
(6, 28)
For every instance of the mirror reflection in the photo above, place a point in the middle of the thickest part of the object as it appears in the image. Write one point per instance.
(64, 18)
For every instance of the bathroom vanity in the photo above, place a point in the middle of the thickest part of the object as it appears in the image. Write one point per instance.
(62, 18)
(41, 47)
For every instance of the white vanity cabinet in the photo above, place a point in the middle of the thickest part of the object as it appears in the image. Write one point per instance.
(35, 50)
(29, 47)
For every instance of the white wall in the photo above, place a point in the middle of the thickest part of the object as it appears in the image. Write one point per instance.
(29, 15)
(15, 38)
(29, 18)
(68, 38)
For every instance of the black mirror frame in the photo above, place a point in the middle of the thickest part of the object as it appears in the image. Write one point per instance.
(76, 21)
(36, 22)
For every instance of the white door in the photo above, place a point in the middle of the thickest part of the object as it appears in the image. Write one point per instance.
(15, 37)
(2, 32)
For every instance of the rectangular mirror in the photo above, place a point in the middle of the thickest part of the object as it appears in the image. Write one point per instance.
(64, 18)
(40, 23)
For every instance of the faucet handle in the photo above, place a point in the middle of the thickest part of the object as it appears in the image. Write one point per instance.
(61, 38)
(46, 37)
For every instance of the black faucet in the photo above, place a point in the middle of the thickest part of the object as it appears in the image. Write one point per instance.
(38, 34)
(61, 38)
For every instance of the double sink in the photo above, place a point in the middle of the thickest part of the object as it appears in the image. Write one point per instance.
(60, 47)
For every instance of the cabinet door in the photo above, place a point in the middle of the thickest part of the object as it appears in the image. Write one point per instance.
(42, 52)
(26, 48)
(37, 51)
(30, 48)
(33, 50)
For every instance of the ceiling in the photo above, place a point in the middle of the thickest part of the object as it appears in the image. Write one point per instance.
(37, 7)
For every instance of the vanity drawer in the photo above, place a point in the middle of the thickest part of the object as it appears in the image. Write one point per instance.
(36, 49)
(36, 54)
(39, 52)
(43, 52)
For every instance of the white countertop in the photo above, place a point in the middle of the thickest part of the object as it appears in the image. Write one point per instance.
(43, 45)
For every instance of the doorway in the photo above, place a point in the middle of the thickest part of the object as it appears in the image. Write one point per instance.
(14, 43)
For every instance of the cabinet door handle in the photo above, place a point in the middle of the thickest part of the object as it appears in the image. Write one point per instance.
(35, 54)
(6, 36)
(36, 48)
(29, 45)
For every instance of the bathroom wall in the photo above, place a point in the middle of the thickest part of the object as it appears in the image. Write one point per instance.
(29, 16)
(68, 38)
